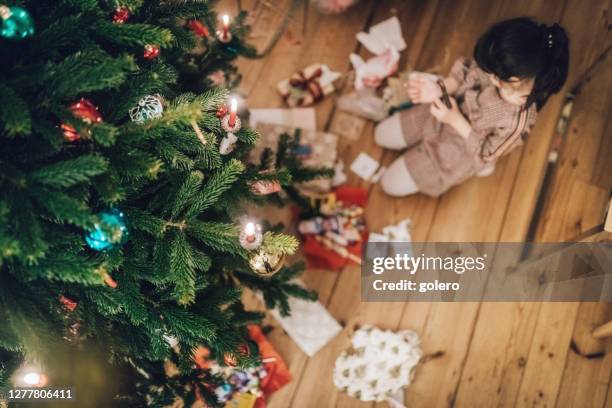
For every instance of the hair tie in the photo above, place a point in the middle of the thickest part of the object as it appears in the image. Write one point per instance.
(550, 40)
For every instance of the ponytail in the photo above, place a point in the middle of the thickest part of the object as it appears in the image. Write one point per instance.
(553, 74)
(522, 48)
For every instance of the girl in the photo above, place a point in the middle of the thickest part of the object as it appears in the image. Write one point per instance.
(517, 65)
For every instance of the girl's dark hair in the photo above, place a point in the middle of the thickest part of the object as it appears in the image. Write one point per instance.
(522, 48)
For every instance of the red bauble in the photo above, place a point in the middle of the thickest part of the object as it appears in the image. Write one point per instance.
(68, 303)
(222, 111)
(198, 28)
(121, 15)
(230, 359)
(151, 51)
(87, 112)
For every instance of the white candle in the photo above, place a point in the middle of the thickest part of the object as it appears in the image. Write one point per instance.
(249, 230)
(225, 19)
(233, 111)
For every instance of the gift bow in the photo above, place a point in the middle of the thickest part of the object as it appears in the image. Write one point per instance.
(309, 83)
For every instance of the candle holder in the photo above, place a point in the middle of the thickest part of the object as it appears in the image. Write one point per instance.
(224, 37)
(226, 125)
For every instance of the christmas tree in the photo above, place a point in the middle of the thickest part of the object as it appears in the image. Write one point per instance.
(123, 183)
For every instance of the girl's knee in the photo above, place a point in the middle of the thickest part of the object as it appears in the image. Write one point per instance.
(388, 133)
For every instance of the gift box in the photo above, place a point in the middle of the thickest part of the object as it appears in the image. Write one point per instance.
(276, 372)
(316, 149)
(308, 86)
(320, 254)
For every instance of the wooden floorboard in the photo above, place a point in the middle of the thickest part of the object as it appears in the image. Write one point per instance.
(489, 354)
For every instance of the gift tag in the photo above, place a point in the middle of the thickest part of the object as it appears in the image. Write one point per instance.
(385, 34)
(346, 125)
(364, 166)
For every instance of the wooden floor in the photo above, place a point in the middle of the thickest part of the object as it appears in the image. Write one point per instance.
(493, 354)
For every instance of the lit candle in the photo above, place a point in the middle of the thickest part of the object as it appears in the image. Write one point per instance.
(233, 111)
(31, 378)
(249, 231)
(225, 26)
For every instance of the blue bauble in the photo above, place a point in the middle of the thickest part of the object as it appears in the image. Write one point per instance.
(110, 232)
(224, 392)
(15, 22)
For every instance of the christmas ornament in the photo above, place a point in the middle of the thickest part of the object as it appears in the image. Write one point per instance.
(265, 187)
(109, 233)
(198, 132)
(217, 78)
(224, 35)
(149, 107)
(15, 23)
(86, 111)
(121, 15)
(378, 364)
(198, 28)
(222, 111)
(228, 143)
(68, 303)
(266, 264)
(230, 359)
(251, 236)
(110, 282)
(151, 51)
(224, 392)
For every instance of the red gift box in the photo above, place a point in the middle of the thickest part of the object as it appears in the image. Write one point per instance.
(321, 257)
(277, 372)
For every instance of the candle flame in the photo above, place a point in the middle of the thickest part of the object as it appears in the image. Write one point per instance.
(225, 20)
(249, 229)
(234, 105)
(31, 378)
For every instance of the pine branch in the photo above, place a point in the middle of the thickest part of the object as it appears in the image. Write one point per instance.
(14, 113)
(70, 172)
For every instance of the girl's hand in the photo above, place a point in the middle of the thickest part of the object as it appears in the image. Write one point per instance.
(444, 114)
(422, 90)
(451, 116)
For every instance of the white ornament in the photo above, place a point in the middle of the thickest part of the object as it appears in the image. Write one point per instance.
(149, 107)
(228, 143)
(378, 365)
(226, 126)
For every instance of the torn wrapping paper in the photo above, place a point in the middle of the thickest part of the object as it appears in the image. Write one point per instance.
(372, 72)
(378, 364)
(308, 86)
(302, 118)
(385, 34)
(396, 236)
(385, 41)
(364, 103)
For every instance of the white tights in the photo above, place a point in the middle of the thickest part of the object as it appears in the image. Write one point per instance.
(396, 181)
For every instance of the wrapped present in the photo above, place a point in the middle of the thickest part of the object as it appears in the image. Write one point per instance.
(308, 86)
(316, 149)
(332, 250)
(247, 387)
